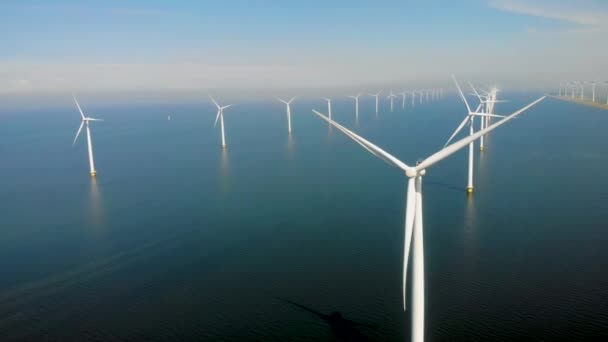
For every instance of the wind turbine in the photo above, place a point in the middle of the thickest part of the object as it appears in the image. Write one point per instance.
(413, 210)
(288, 105)
(328, 106)
(470, 119)
(85, 121)
(487, 106)
(413, 98)
(593, 92)
(220, 116)
(376, 96)
(403, 95)
(391, 97)
(572, 88)
(356, 98)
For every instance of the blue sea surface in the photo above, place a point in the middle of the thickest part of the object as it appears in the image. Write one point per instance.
(177, 239)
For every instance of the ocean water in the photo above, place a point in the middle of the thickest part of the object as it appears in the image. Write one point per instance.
(177, 239)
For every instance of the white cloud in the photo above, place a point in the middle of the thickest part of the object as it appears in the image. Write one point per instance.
(577, 13)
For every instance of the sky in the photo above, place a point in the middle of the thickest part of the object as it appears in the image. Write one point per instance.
(66, 46)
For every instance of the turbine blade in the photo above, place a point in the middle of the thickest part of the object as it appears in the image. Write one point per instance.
(280, 99)
(491, 115)
(93, 119)
(475, 91)
(464, 99)
(226, 106)
(446, 152)
(214, 102)
(375, 150)
(410, 210)
(458, 129)
(79, 109)
(291, 100)
(78, 133)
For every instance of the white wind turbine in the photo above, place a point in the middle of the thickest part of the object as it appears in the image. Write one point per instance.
(376, 96)
(487, 102)
(85, 121)
(220, 116)
(391, 97)
(413, 210)
(470, 120)
(403, 96)
(288, 105)
(356, 98)
(593, 92)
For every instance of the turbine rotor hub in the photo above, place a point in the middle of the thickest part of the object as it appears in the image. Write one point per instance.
(412, 172)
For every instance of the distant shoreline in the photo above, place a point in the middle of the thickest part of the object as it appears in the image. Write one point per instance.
(583, 102)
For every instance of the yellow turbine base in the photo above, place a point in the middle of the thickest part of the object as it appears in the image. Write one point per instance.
(469, 190)
(481, 148)
(93, 173)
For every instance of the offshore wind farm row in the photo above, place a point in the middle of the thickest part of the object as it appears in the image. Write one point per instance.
(413, 225)
(584, 92)
(424, 95)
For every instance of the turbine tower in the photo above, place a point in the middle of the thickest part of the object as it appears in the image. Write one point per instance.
(413, 211)
(376, 96)
(391, 97)
(85, 121)
(356, 98)
(288, 105)
(403, 95)
(220, 116)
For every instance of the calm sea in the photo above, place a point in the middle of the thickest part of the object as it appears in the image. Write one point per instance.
(270, 239)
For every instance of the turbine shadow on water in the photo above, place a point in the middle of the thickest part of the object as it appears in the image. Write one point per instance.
(342, 328)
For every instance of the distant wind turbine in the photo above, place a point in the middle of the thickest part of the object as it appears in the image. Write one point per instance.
(413, 210)
(356, 98)
(85, 121)
(220, 116)
(403, 95)
(391, 97)
(288, 105)
(470, 120)
(487, 103)
(376, 96)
